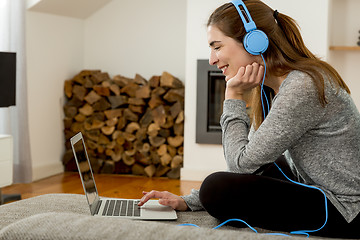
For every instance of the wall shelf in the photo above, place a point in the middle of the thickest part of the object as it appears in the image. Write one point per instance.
(345, 48)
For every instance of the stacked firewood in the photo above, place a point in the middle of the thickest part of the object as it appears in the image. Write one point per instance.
(131, 126)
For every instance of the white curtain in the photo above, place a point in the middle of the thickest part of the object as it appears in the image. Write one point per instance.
(14, 120)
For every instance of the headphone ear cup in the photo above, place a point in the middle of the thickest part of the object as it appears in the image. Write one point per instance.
(256, 42)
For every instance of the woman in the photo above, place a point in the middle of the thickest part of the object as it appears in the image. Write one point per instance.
(312, 132)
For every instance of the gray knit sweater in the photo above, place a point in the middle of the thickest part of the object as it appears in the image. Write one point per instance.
(321, 143)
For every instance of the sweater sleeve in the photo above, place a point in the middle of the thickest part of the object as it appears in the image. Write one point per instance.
(295, 110)
(193, 200)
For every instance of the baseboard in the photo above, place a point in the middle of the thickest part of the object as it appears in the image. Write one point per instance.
(40, 172)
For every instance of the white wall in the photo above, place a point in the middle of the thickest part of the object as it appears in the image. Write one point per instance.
(345, 22)
(199, 159)
(344, 31)
(146, 37)
(202, 159)
(54, 53)
(125, 37)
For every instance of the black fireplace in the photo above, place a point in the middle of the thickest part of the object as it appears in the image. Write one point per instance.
(210, 97)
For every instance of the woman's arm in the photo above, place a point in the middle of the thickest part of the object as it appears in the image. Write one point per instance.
(180, 203)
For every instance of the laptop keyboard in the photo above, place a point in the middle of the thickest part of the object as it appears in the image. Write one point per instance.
(128, 208)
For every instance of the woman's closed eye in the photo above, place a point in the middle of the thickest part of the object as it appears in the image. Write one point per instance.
(215, 45)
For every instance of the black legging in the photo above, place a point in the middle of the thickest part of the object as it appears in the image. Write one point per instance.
(272, 202)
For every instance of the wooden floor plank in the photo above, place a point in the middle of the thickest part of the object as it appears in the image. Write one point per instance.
(108, 185)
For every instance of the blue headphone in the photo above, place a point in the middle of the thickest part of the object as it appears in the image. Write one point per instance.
(255, 41)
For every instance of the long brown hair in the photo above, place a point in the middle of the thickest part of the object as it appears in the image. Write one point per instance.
(286, 51)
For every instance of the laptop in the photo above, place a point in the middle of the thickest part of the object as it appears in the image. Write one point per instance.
(113, 207)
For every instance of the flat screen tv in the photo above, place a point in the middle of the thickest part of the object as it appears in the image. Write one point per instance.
(7, 79)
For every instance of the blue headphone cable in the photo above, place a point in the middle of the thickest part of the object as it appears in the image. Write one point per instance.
(308, 186)
(262, 91)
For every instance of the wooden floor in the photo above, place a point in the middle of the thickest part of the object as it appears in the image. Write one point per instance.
(108, 185)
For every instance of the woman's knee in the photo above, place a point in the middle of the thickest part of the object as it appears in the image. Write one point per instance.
(211, 188)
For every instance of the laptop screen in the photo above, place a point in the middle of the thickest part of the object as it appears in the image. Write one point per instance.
(85, 171)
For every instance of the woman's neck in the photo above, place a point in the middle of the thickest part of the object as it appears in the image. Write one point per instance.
(274, 82)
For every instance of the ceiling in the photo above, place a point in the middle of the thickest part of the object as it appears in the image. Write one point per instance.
(81, 9)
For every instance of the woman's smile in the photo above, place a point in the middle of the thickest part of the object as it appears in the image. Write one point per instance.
(228, 54)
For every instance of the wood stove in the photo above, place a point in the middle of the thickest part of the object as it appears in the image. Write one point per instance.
(210, 96)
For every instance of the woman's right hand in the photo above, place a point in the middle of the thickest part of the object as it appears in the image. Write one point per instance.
(247, 78)
(166, 199)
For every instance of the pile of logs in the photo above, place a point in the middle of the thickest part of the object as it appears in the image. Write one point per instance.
(130, 126)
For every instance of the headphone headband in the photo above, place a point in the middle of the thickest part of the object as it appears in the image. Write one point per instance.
(249, 24)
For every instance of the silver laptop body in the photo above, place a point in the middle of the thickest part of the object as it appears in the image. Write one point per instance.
(113, 207)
